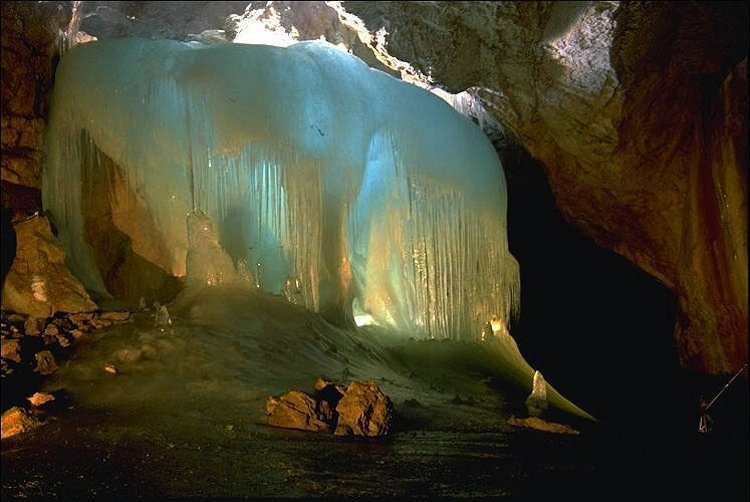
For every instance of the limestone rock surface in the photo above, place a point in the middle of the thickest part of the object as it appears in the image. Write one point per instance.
(359, 409)
(29, 44)
(295, 410)
(364, 410)
(38, 282)
(11, 349)
(17, 420)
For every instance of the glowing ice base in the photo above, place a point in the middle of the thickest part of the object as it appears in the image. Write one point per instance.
(322, 178)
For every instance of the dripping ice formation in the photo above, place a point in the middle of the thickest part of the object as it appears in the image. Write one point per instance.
(350, 192)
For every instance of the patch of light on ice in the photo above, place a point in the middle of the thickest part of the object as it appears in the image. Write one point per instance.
(259, 30)
(361, 316)
(363, 320)
(498, 326)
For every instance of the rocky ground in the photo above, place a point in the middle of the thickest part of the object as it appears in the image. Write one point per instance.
(32, 349)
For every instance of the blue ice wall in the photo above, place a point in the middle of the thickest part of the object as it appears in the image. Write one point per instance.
(322, 178)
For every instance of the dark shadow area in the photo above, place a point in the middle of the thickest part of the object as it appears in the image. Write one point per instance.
(600, 330)
(8, 239)
(597, 327)
(18, 201)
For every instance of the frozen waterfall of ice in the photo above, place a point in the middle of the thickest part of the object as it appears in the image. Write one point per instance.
(322, 179)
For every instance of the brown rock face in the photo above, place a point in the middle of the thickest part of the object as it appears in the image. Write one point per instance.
(364, 411)
(29, 44)
(361, 409)
(17, 420)
(310, 21)
(296, 410)
(11, 349)
(38, 282)
(638, 114)
(45, 362)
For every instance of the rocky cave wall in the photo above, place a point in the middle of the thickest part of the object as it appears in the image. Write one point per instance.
(636, 112)
(39, 283)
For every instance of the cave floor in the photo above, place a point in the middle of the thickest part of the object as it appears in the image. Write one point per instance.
(84, 454)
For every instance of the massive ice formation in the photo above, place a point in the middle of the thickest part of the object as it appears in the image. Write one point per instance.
(322, 178)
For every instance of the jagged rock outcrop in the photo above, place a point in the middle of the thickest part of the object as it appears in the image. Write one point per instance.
(287, 22)
(17, 420)
(29, 45)
(638, 114)
(155, 19)
(38, 282)
(296, 410)
(364, 411)
(30, 32)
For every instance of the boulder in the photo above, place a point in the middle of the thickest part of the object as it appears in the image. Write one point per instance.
(33, 325)
(297, 410)
(45, 362)
(38, 282)
(82, 319)
(17, 420)
(11, 349)
(364, 411)
(39, 398)
(361, 409)
(327, 395)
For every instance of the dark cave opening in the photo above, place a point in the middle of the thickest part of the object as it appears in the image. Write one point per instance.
(8, 242)
(597, 327)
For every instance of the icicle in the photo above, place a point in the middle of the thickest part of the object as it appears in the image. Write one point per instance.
(207, 262)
